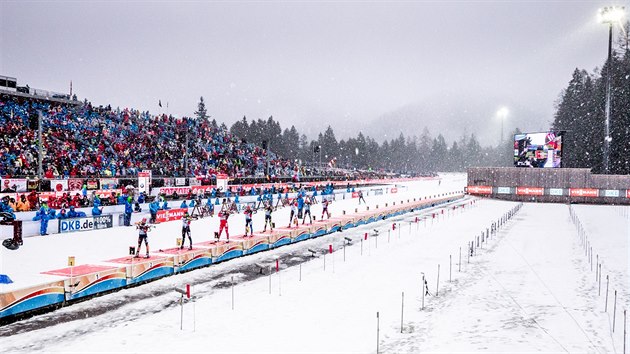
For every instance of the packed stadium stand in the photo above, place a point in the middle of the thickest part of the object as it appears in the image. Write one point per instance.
(88, 141)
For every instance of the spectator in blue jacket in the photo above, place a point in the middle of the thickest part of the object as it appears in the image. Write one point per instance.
(97, 200)
(128, 211)
(154, 206)
(6, 212)
(62, 214)
(96, 211)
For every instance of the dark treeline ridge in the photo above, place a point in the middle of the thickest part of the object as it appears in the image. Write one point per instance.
(405, 154)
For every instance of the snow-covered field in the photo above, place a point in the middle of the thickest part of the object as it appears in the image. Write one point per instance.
(529, 289)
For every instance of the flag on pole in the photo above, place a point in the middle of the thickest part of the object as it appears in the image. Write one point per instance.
(160, 103)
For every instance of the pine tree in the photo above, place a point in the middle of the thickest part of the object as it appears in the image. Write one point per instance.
(202, 112)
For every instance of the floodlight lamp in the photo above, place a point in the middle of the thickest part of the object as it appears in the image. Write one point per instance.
(611, 14)
(503, 112)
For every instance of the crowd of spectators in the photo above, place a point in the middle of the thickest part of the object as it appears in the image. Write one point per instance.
(88, 141)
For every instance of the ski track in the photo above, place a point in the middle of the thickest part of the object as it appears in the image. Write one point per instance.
(530, 288)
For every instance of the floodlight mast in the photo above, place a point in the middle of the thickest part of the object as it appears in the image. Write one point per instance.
(609, 15)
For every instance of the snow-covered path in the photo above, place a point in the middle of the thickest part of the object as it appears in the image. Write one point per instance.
(529, 289)
(531, 292)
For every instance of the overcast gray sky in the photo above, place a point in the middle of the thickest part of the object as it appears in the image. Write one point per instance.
(308, 63)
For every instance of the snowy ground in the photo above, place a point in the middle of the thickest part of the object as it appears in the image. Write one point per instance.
(530, 289)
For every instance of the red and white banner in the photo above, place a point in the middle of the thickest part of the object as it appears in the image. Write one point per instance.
(59, 185)
(75, 184)
(171, 214)
(584, 192)
(393, 190)
(355, 194)
(11, 185)
(530, 191)
(479, 189)
(171, 190)
(628, 193)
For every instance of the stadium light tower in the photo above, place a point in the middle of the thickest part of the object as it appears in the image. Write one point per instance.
(610, 15)
(502, 113)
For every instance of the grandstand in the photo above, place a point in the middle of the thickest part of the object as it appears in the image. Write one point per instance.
(82, 140)
(107, 148)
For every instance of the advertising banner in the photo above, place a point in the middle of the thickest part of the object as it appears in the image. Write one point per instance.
(393, 190)
(556, 192)
(144, 181)
(180, 181)
(72, 225)
(103, 222)
(355, 194)
(611, 193)
(12, 185)
(584, 192)
(222, 181)
(530, 191)
(504, 190)
(171, 190)
(171, 214)
(479, 189)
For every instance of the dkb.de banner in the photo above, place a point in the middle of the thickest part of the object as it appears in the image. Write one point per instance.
(85, 224)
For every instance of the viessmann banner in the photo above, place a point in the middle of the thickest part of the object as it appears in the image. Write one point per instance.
(171, 214)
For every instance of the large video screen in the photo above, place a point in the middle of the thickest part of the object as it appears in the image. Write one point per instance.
(538, 149)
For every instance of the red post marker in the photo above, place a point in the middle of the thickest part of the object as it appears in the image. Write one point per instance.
(365, 236)
(416, 219)
(188, 291)
(433, 214)
(329, 248)
(442, 211)
(394, 226)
